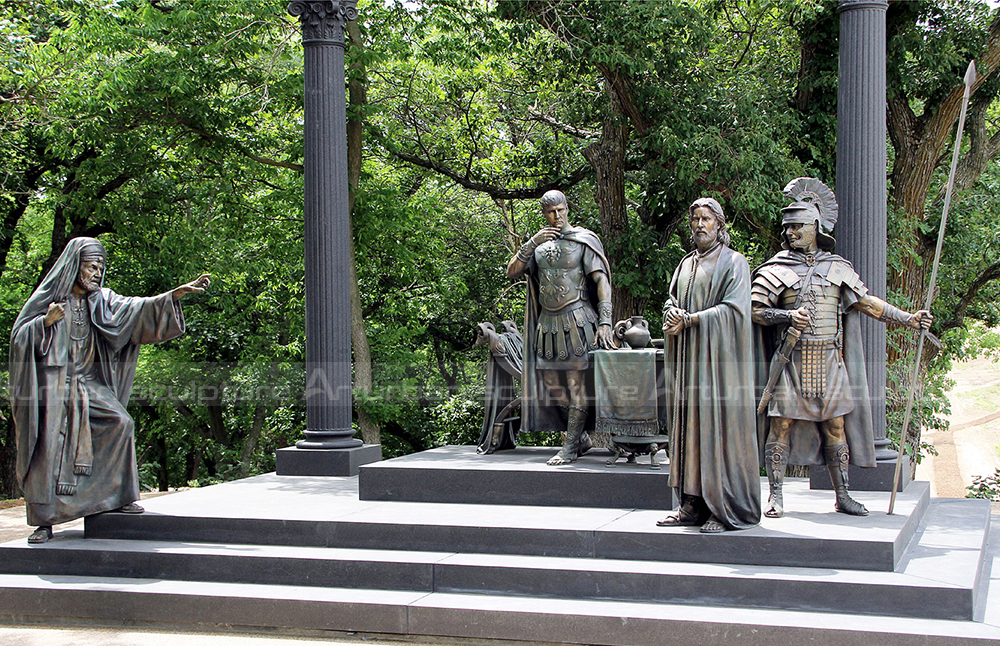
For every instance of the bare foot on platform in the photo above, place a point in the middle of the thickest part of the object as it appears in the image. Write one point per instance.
(712, 526)
(40, 535)
(559, 458)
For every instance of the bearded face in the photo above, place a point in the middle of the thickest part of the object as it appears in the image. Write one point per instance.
(91, 272)
(704, 228)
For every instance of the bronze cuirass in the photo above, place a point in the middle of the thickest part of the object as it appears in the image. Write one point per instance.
(822, 300)
(561, 279)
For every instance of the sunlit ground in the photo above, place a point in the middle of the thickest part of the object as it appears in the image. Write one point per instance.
(971, 446)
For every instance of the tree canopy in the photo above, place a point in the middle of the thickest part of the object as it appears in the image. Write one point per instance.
(172, 129)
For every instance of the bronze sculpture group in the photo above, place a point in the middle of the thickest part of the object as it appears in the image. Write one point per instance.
(786, 334)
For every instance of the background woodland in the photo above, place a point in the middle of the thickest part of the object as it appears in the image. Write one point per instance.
(172, 129)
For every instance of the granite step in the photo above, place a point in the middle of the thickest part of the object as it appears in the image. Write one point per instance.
(32, 599)
(318, 512)
(937, 578)
(457, 474)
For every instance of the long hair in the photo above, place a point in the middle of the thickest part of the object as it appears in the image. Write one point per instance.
(712, 205)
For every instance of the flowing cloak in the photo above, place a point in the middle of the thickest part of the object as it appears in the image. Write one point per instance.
(534, 415)
(806, 439)
(41, 396)
(503, 367)
(708, 375)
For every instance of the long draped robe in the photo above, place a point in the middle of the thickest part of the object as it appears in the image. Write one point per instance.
(709, 385)
(69, 409)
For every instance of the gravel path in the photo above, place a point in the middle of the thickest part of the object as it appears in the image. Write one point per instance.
(971, 445)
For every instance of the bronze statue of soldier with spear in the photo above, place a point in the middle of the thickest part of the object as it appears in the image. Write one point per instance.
(815, 407)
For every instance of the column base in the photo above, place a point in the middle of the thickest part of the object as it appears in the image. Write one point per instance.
(876, 479)
(295, 461)
(884, 450)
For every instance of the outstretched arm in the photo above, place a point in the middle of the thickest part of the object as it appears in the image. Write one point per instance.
(199, 284)
(876, 308)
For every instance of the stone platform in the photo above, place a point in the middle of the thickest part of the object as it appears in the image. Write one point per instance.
(309, 553)
(457, 474)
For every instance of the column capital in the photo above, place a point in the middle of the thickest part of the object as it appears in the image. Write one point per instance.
(854, 5)
(323, 21)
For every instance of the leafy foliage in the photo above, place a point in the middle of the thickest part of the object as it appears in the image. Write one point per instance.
(987, 487)
(172, 129)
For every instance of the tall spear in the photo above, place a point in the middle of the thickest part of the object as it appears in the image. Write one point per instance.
(970, 78)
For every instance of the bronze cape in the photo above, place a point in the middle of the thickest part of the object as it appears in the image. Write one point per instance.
(709, 393)
(60, 418)
(501, 391)
(535, 415)
(806, 440)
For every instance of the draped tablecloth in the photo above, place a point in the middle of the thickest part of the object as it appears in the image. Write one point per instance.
(625, 385)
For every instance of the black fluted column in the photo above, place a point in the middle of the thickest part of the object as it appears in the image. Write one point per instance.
(861, 177)
(329, 447)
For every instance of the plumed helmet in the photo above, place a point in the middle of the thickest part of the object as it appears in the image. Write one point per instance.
(813, 201)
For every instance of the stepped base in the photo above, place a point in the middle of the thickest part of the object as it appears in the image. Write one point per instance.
(305, 553)
(456, 474)
(936, 578)
(327, 512)
(293, 461)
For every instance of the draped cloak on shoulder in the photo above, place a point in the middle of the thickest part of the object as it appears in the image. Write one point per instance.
(806, 439)
(709, 387)
(75, 443)
(535, 415)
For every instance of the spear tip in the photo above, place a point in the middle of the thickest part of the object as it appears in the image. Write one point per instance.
(970, 74)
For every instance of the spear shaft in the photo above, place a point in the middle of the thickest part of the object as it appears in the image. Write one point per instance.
(970, 78)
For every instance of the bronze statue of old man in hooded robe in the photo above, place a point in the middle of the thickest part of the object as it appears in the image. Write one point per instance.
(73, 353)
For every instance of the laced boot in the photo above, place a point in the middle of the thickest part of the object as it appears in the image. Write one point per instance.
(570, 451)
(775, 461)
(838, 457)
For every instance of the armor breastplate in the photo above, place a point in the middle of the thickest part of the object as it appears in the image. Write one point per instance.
(822, 300)
(561, 280)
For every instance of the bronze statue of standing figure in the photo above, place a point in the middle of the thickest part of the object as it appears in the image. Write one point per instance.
(567, 315)
(709, 381)
(73, 353)
(806, 304)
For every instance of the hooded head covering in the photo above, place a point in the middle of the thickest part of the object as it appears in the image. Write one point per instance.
(58, 283)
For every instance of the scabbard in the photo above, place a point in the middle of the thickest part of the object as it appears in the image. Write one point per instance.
(792, 336)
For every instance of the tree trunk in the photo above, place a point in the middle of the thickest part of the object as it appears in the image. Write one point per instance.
(163, 473)
(246, 455)
(607, 157)
(193, 464)
(363, 379)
